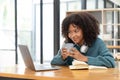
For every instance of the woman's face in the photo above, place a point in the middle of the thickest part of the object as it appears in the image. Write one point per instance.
(75, 34)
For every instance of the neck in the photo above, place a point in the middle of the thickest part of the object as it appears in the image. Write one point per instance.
(81, 43)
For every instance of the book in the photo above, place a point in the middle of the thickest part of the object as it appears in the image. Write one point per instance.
(82, 65)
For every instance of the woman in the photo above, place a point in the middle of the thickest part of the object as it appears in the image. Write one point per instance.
(82, 29)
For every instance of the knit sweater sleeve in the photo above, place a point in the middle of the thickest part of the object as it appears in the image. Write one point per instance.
(104, 58)
(57, 60)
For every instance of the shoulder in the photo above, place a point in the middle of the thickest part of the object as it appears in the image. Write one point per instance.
(98, 45)
(98, 42)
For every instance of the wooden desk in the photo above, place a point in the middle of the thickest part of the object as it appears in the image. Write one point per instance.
(62, 74)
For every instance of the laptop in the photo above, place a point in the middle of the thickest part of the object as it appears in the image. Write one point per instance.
(29, 62)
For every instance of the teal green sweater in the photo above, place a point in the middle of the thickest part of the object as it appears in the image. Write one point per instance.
(98, 55)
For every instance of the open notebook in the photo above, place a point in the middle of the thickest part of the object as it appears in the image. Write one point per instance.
(29, 62)
(82, 65)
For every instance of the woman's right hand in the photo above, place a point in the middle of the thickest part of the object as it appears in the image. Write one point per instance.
(64, 53)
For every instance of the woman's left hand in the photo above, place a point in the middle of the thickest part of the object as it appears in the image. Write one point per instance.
(77, 55)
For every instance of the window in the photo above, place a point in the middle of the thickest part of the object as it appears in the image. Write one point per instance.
(7, 32)
(91, 4)
(34, 28)
(25, 25)
(48, 31)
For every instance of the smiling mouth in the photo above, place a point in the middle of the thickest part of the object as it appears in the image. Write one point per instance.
(74, 40)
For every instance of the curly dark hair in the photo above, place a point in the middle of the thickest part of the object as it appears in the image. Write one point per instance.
(86, 22)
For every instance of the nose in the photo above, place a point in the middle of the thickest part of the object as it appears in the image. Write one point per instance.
(72, 35)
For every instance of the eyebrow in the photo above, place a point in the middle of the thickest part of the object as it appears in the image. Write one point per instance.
(74, 25)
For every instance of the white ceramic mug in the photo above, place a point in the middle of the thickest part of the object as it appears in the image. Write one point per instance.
(68, 46)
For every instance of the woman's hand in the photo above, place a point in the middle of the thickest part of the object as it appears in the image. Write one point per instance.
(64, 53)
(77, 55)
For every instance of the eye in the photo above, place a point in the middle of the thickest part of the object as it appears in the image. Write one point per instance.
(76, 30)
